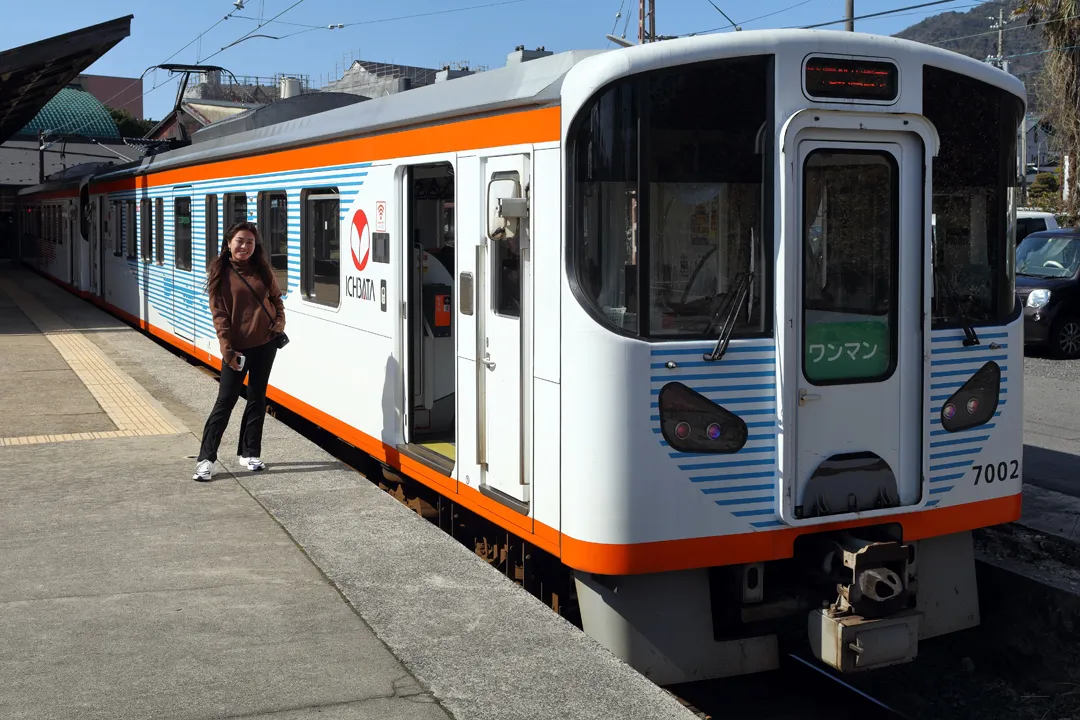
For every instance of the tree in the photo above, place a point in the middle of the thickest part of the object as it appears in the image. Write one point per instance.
(128, 125)
(1060, 23)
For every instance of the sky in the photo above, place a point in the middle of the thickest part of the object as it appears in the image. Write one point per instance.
(427, 33)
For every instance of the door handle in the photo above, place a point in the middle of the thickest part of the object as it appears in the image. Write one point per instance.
(805, 397)
(488, 362)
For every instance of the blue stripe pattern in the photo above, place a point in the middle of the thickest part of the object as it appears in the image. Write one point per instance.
(951, 365)
(743, 381)
(176, 295)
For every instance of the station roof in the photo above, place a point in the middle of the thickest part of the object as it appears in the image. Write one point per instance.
(73, 110)
(31, 75)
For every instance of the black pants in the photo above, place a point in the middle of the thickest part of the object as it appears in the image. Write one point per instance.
(260, 360)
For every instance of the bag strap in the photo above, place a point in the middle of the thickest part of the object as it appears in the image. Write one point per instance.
(253, 293)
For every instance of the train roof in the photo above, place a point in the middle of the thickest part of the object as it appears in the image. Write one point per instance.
(533, 83)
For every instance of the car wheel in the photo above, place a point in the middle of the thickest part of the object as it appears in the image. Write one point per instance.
(1066, 337)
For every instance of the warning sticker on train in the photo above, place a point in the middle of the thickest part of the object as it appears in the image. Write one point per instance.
(380, 216)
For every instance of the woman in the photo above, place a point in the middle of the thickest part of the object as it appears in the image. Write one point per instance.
(244, 296)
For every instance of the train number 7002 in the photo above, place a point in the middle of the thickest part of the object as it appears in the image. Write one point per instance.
(991, 472)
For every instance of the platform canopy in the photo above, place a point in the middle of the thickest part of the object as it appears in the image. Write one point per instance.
(33, 74)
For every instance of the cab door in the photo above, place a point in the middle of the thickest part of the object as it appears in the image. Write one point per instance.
(504, 315)
(857, 249)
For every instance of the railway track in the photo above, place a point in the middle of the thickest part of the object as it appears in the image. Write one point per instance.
(801, 689)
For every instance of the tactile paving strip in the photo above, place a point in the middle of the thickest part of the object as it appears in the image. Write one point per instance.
(126, 403)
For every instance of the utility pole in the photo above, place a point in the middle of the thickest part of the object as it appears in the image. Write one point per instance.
(646, 11)
(1001, 34)
(850, 24)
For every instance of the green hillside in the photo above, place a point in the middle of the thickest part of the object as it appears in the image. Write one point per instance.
(970, 33)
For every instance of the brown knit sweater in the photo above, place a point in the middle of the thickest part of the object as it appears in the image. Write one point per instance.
(238, 319)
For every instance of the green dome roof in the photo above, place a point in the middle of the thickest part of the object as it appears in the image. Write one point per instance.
(74, 111)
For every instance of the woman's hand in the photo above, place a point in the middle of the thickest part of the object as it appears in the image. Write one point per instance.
(235, 362)
(279, 326)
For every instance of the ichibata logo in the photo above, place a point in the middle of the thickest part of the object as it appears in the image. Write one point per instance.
(360, 249)
(360, 241)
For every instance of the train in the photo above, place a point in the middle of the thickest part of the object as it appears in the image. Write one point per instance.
(727, 324)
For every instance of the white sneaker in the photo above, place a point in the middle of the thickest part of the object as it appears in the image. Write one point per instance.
(251, 463)
(203, 470)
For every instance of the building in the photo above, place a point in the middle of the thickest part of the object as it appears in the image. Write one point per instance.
(36, 82)
(195, 114)
(114, 92)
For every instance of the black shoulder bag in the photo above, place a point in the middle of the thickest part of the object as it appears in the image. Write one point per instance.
(281, 339)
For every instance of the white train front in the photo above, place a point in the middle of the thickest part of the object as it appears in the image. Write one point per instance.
(727, 324)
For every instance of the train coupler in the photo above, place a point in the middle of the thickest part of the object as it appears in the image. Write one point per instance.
(873, 622)
(851, 643)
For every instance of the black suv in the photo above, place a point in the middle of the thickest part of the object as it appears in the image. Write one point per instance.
(1048, 282)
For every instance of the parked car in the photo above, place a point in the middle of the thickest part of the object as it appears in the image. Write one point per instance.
(1048, 283)
(1029, 221)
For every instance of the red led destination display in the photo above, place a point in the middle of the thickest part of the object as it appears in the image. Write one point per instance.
(851, 79)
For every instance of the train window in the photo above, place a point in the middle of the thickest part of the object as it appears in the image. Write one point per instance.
(320, 246)
(159, 228)
(182, 233)
(850, 246)
(274, 229)
(605, 246)
(235, 209)
(211, 234)
(146, 224)
(506, 268)
(658, 253)
(130, 232)
(974, 173)
(116, 225)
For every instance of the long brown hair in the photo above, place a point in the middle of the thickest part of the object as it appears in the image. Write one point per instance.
(215, 274)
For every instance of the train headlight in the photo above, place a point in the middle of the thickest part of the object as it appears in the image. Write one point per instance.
(1038, 298)
(978, 396)
(692, 423)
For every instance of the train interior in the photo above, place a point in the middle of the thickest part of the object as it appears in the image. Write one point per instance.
(431, 331)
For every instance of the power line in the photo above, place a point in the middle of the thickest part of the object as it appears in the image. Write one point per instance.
(747, 22)
(993, 32)
(873, 15)
(143, 75)
(250, 33)
(390, 19)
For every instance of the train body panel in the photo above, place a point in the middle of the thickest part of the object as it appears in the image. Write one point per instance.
(686, 338)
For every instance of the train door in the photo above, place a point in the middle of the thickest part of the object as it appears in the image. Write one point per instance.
(183, 287)
(93, 231)
(857, 247)
(70, 234)
(503, 314)
(429, 346)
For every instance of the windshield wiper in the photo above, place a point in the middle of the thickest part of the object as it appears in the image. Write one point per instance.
(735, 301)
(970, 338)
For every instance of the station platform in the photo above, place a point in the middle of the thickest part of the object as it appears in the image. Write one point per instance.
(129, 591)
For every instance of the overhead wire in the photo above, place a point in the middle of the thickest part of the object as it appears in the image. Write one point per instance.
(883, 13)
(143, 75)
(746, 22)
(390, 19)
(250, 33)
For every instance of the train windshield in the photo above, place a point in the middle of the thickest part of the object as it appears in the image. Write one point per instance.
(669, 199)
(974, 177)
